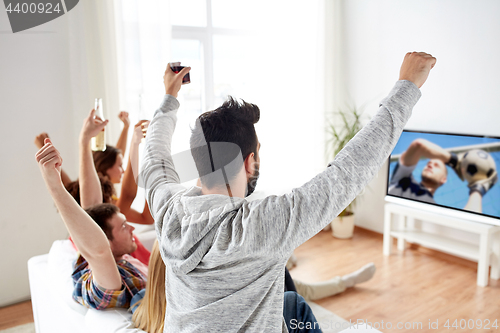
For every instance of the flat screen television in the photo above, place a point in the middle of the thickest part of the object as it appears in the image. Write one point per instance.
(423, 173)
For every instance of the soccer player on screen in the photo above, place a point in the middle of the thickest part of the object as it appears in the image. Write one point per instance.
(434, 175)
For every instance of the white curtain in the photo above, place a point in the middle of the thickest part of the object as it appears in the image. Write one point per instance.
(93, 62)
(143, 37)
(279, 66)
(124, 54)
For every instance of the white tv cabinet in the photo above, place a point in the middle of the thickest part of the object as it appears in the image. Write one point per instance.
(403, 229)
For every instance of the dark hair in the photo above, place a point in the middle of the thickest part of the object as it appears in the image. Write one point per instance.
(107, 188)
(74, 189)
(104, 160)
(101, 214)
(232, 124)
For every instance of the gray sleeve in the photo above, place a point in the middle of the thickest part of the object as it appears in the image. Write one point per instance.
(282, 223)
(158, 173)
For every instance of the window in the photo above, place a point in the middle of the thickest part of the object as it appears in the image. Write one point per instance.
(266, 52)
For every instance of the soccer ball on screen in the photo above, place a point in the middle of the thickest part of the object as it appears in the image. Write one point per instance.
(477, 165)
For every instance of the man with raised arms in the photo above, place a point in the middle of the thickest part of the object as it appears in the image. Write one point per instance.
(225, 256)
(105, 274)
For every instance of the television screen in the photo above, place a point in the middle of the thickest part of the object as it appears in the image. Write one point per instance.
(448, 170)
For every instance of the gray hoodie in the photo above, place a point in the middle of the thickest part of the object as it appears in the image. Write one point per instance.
(225, 257)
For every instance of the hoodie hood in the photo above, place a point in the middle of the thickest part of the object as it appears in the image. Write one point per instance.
(191, 224)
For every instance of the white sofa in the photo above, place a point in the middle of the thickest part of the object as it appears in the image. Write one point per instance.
(55, 311)
(51, 286)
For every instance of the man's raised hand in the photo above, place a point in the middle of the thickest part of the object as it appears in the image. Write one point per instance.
(173, 81)
(50, 161)
(416, 67)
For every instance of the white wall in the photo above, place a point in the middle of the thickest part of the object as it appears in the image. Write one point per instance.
(462, 92)
(42, 88)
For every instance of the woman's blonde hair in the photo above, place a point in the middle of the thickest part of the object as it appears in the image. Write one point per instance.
(150, 313)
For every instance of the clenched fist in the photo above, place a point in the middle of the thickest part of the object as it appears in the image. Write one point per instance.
(416, 67)
(49, 160)
(123, 115)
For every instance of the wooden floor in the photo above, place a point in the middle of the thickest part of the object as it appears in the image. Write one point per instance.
(16, 315)
(409, 287)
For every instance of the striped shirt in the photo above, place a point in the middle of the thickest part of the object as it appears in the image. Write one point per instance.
(89, 294)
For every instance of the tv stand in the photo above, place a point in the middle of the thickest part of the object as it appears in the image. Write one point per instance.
(407, 232)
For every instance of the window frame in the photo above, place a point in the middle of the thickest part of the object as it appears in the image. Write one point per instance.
(205, 36)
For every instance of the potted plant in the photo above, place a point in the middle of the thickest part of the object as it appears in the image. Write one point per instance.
(341, 129)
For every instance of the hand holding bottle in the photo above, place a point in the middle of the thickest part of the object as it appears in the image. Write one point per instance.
(173, 81)
(99, 140)
(92, 126)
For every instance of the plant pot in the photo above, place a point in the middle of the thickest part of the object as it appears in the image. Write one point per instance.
(343, 227)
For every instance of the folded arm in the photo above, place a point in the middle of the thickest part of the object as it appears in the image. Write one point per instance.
(422, 148)
(87, 235)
